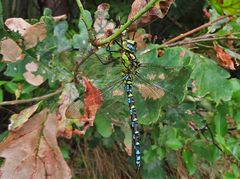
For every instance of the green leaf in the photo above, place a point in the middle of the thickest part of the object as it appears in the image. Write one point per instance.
(103, 125)
(65, 153)
(174, 144)
(211, 80)
(59, 31)
(88, 17)
(188, 159)
(1, 16)
(81, 40)
(11, 87)
(1, 95)
(209, 152)
(220, 120)
(3, 82)
(17, 68)
(2, 64)
(3, 135)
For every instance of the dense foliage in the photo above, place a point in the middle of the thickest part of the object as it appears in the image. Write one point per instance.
(190, 126)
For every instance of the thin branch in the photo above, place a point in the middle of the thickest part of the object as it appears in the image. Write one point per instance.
(192, 41)
(149, 5)
(23, 101)
(192, 31)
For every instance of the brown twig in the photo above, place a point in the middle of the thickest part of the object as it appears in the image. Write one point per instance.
(191, 41)
(194, 30)
(23, 101)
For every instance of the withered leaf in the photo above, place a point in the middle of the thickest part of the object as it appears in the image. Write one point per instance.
(35, 80)
(10, 50)
(32, 151)
(158, 11)
(224, 59)
(32, 34)
(102, 26)
(17, 25)
(17, 120)
(92, 102)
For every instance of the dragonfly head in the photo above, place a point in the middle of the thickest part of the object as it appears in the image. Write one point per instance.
(130, 45)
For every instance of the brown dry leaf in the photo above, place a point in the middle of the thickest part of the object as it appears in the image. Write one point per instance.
(67, 109)
(70, 105)
(35, 80)
(158, 11)
(140, 39)
(102, 26)
(151, 92)
(34, 34)
(92, 102)
(17, 120)
(10, 50)
(17, 25)
(224, 59)
(32, 151)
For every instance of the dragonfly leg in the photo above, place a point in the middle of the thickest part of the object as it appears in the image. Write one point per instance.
(107, 62)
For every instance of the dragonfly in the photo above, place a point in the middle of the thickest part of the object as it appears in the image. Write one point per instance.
(124, 68)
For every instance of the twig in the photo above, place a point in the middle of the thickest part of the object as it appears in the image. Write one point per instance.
(14, 102)
(191, 41)
(192, 31)
(149, 5)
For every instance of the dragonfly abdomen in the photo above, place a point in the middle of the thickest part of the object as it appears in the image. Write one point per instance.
(134, 121)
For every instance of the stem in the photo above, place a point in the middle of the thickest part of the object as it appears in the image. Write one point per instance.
(191, 41)
(127, 24)
(192, 31)
(14, 102)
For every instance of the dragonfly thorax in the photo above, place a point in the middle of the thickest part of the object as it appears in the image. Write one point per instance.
(130, 63)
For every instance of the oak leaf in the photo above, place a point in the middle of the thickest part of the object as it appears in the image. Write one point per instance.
(158, 11)
(10, 50)
(32, 151)
(102, 25)
(32, 34)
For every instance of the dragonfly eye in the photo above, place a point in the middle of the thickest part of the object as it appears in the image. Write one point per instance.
(131, 47)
